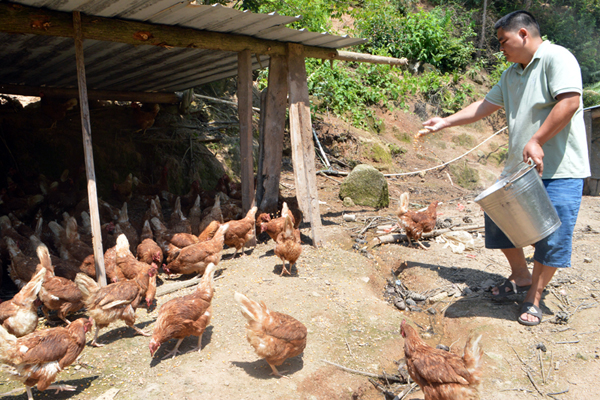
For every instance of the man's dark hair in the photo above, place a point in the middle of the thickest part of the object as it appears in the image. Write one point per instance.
(517, 20)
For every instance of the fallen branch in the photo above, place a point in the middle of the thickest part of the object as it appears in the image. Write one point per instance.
(394, 378)
(173, 287)
(397, 238)
(554, 394)
(328, 177)
(406, 392)
(533, 382)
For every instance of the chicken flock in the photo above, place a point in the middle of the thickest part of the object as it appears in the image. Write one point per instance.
(53, 266)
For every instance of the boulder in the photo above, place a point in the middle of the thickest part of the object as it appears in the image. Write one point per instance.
(366, 186)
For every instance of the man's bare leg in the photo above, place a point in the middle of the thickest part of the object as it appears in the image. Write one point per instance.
(542, 274)
(518, 266)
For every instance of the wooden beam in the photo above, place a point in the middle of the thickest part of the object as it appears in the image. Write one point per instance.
(275, 114)
(143, 97)
(88, 152)
(244, 94)
(21, 19)
(303, 148)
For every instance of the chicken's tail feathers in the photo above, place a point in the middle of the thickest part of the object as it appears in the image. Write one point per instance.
(7, 343)
(86, 285)
(472, 356)
(44, 256)
(404, 203)
(205, 287)
(122, 245)
(251, 310)
(32, 288)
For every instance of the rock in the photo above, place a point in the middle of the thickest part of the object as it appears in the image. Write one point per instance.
(487, 284)
(411, 302)
(587, 260)
(466, 291)
(366, 186)
(432, 311)
(442, 347)
(348, 202)
(400, 305)
(438, 297)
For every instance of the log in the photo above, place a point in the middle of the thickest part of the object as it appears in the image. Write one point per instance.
(303, 148)
(275, 115)
(400, 237)
(216, 100)
(245, 116)
(173, 287)
(369, 58)
(21, 19)
(86, 131)
(143, 97)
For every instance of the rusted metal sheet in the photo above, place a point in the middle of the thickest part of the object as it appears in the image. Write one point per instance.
(44, 60)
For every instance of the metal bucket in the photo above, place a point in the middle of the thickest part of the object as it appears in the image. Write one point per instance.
(520, 206)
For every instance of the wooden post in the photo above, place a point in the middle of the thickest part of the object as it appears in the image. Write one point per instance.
(303, 148)
(275, 110)
(260, 189)
(88, 152)
(245, 114)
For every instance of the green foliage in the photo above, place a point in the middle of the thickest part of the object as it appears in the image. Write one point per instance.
(465, 176)
(396, 150)
(380, 154)
(404, 137)
(591, 98)
(316, 14)
(464, 140)
(441, 37)
(499, 68)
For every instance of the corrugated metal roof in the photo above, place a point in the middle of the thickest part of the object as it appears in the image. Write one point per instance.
(34, 60)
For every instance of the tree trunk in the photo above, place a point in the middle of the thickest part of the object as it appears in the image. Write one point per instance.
(482, 42)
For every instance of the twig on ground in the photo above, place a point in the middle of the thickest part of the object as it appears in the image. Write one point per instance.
(348, 346)
(395, 238)
(568, 342)
(406, 391)
(550, 366)
(554, 394)
(541, 365)
(394, 378)
(328, 177)
(532, 381)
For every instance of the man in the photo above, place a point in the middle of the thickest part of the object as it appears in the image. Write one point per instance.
(541, 93)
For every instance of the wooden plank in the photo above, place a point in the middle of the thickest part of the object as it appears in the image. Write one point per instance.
(303, 149)
(368, 58)
(88, 152)
(244, 94)
(275, 114)
(143, 97)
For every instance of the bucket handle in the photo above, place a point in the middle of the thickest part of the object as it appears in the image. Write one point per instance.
(522, 171)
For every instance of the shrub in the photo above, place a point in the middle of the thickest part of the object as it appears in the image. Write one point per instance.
(590, 98)
(465, 176)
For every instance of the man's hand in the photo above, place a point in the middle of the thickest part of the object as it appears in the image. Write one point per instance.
(435, 124)
(533, 149)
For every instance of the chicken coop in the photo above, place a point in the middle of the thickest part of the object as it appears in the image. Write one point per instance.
(74, 55)
(592, 125)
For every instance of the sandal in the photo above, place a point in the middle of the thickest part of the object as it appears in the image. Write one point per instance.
(531, 309)
(513, 289)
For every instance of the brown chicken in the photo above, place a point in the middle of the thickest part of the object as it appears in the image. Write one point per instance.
(185, 316)
(19, 315)
(117, 301)
(440, 374)
(113, 274)
(56, 108)
(146, 189)
(21, 267)
(275, 226)
(415, 223)
(68, 242)
(241, 231)
(149, 251)
(195, 258)
(214, 215)
(57, 293)
(124, 190)
(37, 358)
(144, 115)
(209, 232)
(274, 336)
(126, 262)
(287, 245)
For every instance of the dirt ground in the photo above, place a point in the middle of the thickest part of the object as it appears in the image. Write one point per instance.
(339, 294)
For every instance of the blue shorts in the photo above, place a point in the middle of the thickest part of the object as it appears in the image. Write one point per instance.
(555, 249)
